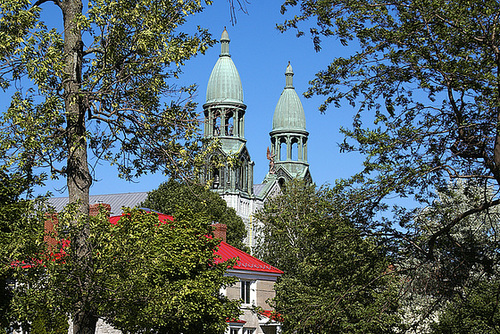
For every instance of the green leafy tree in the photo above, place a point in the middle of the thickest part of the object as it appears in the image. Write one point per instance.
(172, 196)
(449, 287)
(336, 280)
(473, 310)
(101, 84)
(423, 79)
(144, 275)
(44, 324)
(15, 225)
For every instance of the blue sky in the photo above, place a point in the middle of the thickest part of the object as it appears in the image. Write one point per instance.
(261, 54)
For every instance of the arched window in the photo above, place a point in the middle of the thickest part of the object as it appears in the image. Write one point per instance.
(295, 150)
(283, 149)
(243, 185)
(215, 178)
(217, 126)
(229, 126)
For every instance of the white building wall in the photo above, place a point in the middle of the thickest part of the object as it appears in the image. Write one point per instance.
(245, 208)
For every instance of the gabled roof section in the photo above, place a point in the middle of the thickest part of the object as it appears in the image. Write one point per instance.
(258, 188)
(269, 188)
(245, 261)
(243, 151)
(282, 171)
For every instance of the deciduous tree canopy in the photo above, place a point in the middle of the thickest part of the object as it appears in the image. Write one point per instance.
(172, 196)
(142, 275)
(336, 280)
(12, 227)
(452, 288)
(101, 83)
(424, 82)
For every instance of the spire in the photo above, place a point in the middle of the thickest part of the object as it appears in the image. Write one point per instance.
(289, 113)
(289, 76)
(288, 156)
(224, 84)
(224, 43)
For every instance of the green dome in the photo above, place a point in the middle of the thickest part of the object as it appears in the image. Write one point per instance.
(224, 84)
(289, 113)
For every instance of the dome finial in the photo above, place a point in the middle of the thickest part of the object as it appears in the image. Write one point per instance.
(289, 76)
(224, 41)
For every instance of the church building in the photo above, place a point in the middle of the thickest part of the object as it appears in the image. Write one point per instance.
(224, 120)
(224, 112)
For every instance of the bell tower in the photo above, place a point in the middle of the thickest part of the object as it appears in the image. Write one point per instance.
(224, 112)
(289, 136)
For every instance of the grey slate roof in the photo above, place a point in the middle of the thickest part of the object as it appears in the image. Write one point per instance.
(117, 201)
(257, 188)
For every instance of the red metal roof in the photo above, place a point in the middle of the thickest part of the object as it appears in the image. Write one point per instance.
(225, 252)
(233, 321)
(161, 216)
(272, 315)
(245, 261)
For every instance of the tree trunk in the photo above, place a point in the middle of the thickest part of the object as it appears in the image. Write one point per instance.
(78, 176)
(496, 150)
(84, 323)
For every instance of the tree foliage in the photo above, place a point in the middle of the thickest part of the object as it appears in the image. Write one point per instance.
(424, 82)
(474, 310)
(12, 210)
(466, 262)
(19, 235)
(102, 83)
(172, 196)
(142, 275)
(336, 280)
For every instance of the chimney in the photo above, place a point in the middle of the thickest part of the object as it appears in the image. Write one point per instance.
(51, 221)
(94, 209)
(49, 229)
(220, 231)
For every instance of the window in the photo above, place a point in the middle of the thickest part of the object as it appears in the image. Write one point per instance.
(283, 150)
(234, 331)
(295, 150)
(245, 291)
(269, 329)
(248, 330)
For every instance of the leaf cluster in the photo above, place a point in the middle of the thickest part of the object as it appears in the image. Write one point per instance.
(21, 237)
(422, 79)
(465, 262)
(475, 310)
